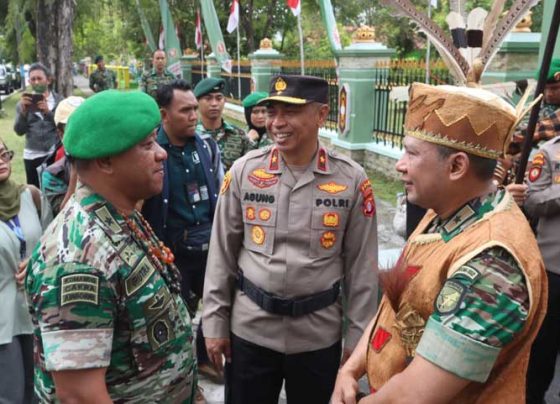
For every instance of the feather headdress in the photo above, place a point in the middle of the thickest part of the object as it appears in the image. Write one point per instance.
(472, 45)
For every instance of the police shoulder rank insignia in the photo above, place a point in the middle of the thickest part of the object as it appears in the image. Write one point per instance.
(322, 160)
(258, 235)
(331, 219)
(332, 187)
(380, 339)
(368, 204)
(264, 214)
(274, 162)
(450, 297)
(261, 179)
(79, 288)
(225, 183)
(328, 239)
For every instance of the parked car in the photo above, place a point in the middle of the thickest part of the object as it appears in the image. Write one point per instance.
(15, 77)
(5, 80)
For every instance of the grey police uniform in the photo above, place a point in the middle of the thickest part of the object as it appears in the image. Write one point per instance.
(278, 239)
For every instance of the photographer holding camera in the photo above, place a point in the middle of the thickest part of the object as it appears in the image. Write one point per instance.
(35, 120)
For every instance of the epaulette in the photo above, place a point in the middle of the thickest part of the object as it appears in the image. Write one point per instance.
(345, 159)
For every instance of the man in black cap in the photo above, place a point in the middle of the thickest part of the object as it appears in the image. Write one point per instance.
(294, 223)
(102, 79)
(232, 141)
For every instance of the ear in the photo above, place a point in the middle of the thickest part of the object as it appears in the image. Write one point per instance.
(105, 165)
(164, 114)
(323, 112)
(459, 165)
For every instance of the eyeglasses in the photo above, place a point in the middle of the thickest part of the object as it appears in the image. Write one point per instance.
(7, 156)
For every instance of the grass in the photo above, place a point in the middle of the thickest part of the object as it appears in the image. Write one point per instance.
(384, 187)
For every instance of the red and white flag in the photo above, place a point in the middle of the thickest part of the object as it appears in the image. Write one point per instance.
(198, 31)
(233, 20)
(295, 6)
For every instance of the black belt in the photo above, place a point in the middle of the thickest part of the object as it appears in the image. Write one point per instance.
(295, 307)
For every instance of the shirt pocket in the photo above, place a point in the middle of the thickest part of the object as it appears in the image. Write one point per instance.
(259, 227)
(327, 232)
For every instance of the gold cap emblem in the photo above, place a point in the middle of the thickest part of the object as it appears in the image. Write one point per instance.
(280, 85)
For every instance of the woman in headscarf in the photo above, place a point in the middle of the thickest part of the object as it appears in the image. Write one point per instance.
(24, 214)
(256, 119)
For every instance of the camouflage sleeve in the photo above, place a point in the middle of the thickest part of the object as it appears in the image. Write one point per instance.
(74, 306)
(54, 190)
(144, 83)
(478, 311)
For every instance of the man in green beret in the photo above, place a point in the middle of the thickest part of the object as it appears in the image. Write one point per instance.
(255, 115)
(102, 79)
(158, 75)
(104, 294)
(232, 141)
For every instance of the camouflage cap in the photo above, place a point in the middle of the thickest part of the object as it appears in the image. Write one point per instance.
(209, 85)
(109, 123)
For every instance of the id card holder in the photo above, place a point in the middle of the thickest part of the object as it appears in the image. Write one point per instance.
(193, 193)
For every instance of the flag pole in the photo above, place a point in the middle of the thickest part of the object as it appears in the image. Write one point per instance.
(429, 46)
(201, 48)
(238, 65)
(302, 61)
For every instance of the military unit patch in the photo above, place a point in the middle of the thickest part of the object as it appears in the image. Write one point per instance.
(332, 187)
(328, 239)
(368, 204)
(450, 297)
(380, 339)
(260, 178)
(467, 272)
(258, 235)
(160, 332)
(265, 214)
(225, 183)
(79, 288)
(331, 219)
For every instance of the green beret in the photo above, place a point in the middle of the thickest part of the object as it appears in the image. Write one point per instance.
(554, 68)
(109, 123)
(209, 85)
(252, 99)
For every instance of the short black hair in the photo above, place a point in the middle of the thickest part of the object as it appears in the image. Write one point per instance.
(40, 66)
(482, 167)
(98, 58)
(164, 92)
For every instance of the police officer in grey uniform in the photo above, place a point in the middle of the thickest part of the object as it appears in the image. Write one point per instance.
(294, 224)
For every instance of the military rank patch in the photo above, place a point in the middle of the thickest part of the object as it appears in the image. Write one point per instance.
(250, 213)
(225, 183)
(368, 204)
(139, 276)
(107, 219)
(79, 288)
(258, 235)
(331, 219)
(380, 339)
(450, 297)
(265, 214)
(261, 179)
(328, 239)
(332, 187)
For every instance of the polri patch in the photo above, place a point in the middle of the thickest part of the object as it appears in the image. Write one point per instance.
(79, 288)
(261, 179)
(535, 173)
(265, 214)
(331, 219)
(139, 276)
(225, 183)
(250, 213)
(328, 239)
(368, 204)
(332, 187)
(450, 297)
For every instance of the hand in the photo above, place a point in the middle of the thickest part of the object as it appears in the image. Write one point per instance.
(345, 388)
(43, 106)
(25, 103)
(21, 272)
(519, 192)
(217, 347)
(253, 135)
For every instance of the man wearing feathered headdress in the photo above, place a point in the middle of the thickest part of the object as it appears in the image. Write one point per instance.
(464, 302)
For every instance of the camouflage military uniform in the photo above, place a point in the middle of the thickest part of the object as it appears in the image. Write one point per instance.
(97, 300)
(232, 141)
(151, 80)
(101, 80)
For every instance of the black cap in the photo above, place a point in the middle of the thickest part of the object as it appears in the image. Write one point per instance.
(300, 90)
(98, 58)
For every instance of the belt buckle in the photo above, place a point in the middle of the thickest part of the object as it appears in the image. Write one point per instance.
(282, 307)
